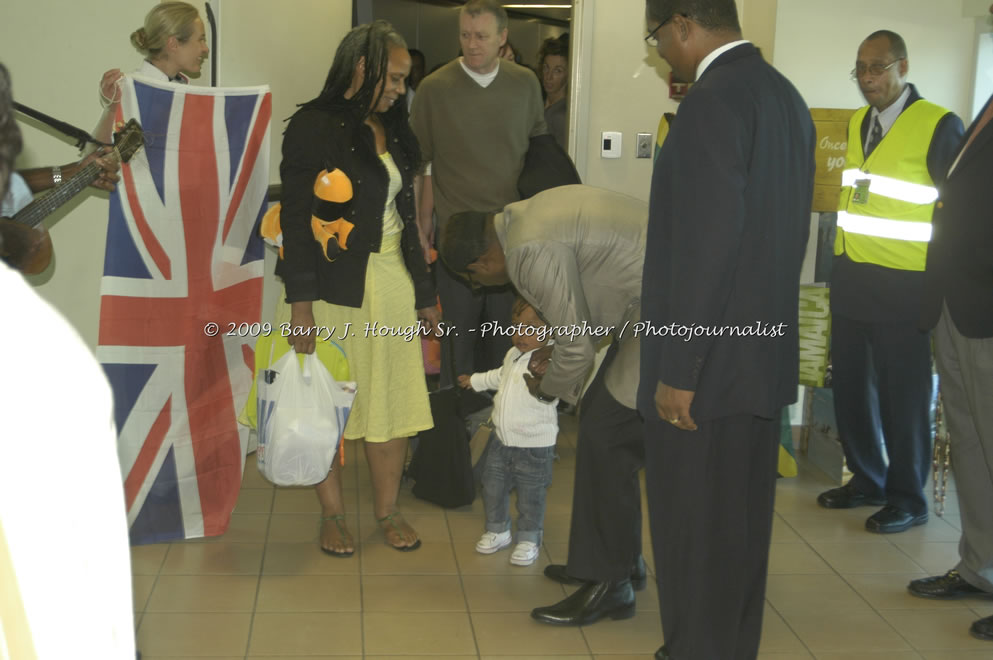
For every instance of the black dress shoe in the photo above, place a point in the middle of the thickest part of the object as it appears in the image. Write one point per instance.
(590, 603)
(949, 586)
(982, 629)
(639, 574)
(847, 497)
(663, 654)
(890, 520)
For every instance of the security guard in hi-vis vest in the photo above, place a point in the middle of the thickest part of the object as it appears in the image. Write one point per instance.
(899, 149)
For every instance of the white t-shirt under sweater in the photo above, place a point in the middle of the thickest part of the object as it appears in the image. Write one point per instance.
(520, 419)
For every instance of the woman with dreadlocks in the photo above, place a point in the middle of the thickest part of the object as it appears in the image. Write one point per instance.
(352, 256)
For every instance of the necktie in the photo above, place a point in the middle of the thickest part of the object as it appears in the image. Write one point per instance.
(874, 137)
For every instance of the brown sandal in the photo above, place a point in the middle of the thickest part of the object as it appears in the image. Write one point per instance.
(337, 518)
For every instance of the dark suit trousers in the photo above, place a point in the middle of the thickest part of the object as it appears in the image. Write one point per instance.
(710, 500)
(605, 532)
(466, 310)
(882, 395)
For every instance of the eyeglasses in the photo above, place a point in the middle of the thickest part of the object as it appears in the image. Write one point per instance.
(651, 39)
(872, 69)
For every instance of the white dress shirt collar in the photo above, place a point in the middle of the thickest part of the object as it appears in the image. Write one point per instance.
(714, 54)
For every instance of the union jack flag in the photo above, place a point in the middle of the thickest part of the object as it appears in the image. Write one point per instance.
(183, 251)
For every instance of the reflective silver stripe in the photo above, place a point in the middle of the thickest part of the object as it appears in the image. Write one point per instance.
(901, 230)
(914, 193)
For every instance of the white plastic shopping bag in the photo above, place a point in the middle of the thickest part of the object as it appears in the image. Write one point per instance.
(301, 417)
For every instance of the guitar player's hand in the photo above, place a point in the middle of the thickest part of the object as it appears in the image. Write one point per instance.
(108, 168)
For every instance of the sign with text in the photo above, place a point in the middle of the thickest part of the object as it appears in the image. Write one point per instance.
(832, 145)
(815, 333)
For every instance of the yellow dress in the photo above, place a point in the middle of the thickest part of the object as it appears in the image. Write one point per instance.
(391, 398)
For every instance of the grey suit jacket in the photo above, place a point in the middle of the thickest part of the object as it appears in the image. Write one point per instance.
(576, 254)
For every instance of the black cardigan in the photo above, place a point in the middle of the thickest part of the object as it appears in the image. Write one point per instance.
(321, 140)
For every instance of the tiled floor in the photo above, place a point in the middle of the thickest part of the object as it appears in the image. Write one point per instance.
(264, 590)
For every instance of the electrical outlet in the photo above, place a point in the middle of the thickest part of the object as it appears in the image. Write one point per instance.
(644, 145)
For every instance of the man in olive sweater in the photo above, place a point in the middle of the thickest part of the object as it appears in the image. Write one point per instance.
(473, 118)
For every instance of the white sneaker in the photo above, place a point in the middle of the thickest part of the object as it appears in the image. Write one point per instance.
(491, 542)
(524, 554)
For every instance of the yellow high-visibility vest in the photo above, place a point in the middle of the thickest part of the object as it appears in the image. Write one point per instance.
(887, 199)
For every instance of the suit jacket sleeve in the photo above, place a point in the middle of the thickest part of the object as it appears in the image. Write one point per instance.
(708, 208)
(944, 147)
(547, 275)
(302, 162)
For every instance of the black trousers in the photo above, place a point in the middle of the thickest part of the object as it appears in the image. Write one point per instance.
(710, 500)
(475, 348)
(882, 397)
(605, 533)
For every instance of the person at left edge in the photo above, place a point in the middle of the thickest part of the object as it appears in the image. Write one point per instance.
(353, 255)
(899, 148)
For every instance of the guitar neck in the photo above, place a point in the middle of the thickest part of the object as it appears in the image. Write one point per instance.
(32, 214)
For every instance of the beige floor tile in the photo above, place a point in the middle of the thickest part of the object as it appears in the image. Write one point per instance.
(254, 500)
(443, 633)
(557, 657)
(851, 558)
(782, 532)
(884, 655)
(430, 528)
(187, 634)
(141, 589)
(299, 527)
(889, 592)
(844, 631)
(138, 616)
(513, 634)
(203, 593)
(311, 593)
(243, 528)
(145, 656)
(304, 500)
(279, 634)
(641, 634)
(777, 637)
(954, 521)
(797, 593)
(213, 559)
(559, 497)
(648, 598)
(147, 559)
(471, 562)
(300, 657)
(466, 529)
(937, 530)
(412, 593)
(252, 478)
(983, 608)
(833, 525)
(603, 656)
(938, 629)
(502, 593)
(558, 553)
(425, 657)
(957, 655)
(557, 527)
(798, 655)
(934, 557)
(306, 559)
(795, 558)
(429, 559)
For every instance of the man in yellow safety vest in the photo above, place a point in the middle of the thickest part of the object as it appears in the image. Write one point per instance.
(899, 149)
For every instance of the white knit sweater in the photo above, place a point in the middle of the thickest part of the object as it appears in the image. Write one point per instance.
(520, 419)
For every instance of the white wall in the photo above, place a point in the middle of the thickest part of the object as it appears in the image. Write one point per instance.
(817, 43)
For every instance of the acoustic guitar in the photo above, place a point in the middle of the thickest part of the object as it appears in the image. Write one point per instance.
(30, 250)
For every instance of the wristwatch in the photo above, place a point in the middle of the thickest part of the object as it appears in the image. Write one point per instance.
(544, 398)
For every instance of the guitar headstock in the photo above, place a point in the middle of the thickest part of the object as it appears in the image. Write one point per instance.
(129, 140)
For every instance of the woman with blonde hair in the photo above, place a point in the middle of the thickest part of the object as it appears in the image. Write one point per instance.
(174, 43)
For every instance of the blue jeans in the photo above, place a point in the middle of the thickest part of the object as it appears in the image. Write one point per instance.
(529, 469)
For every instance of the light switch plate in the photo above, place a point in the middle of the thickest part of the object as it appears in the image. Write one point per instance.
(610, 144)
(644, 145)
